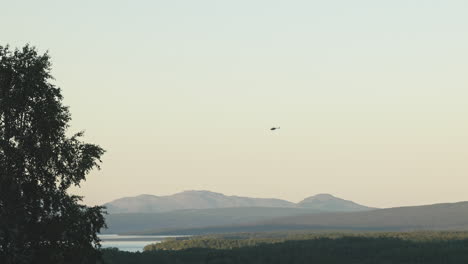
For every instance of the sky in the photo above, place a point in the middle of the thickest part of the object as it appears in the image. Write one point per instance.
(371, 96)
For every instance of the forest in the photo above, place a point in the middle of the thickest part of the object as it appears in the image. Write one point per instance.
(390, 247)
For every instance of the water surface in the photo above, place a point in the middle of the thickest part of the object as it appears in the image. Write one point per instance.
(130, 243)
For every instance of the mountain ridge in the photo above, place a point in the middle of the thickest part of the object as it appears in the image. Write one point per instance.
(196, 218)
(433, 217)
(202, 199)
(329, 203)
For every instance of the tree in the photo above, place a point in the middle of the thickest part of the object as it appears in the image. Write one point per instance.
(39, 221)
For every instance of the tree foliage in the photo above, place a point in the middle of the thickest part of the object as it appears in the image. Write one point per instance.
(241, 240)
(39, 221)
(333, 248)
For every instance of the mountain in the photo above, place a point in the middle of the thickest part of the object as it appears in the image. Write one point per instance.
(196, 218)
(329, 203)
(196, 209)
(208, 200)
(427, 217)
(447, 216)
(188, 200)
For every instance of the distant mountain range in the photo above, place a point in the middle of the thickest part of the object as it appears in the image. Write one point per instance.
(449, 216)
(210, 200)
(196, 218)
(196, 209)
(204, 212)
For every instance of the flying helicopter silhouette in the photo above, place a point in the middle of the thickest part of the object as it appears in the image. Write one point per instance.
(274, 128)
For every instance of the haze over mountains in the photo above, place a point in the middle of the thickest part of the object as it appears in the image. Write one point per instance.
(447, 216)
(196, 218)
(195, 209)
(210, 200)
(204, 212)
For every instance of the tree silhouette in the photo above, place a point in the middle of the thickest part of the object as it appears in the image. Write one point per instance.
(39, 221)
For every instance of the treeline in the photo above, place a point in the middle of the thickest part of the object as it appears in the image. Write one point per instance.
(253, 239)
(395, 248)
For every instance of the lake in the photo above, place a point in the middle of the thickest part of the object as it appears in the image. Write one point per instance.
(130, 243)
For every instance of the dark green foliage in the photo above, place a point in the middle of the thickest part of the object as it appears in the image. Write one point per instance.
(364, 248)
(253, 239)
(39, 221)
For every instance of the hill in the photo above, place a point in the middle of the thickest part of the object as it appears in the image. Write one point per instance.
(447, 216)
(210, 200)
(429, 217)
(196, 218)
(329, 203)
(188, 200)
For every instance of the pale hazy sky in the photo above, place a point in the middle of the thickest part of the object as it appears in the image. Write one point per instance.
(371, 96)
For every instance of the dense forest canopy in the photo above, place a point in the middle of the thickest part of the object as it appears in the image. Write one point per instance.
(330, 248)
